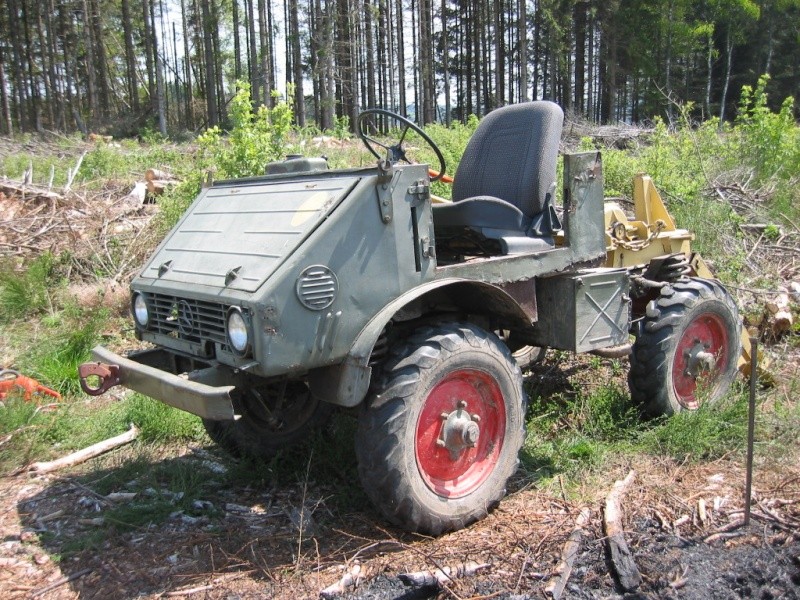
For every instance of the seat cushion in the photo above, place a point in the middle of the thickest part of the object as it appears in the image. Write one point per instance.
(481, 212)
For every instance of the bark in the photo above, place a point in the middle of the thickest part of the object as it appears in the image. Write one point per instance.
(728, 61)
(445, 65)
(297, 65)
(266, 56)
(237, 51)
(101, 60)
(4, 105)
(187, 69)
(209, 64)
(252, 59)
(401, 60)
(130, 56)
(579, 18)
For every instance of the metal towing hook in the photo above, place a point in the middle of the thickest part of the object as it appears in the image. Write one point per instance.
(107, 376)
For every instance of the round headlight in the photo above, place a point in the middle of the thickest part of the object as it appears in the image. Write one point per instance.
(237, 331)
(140, 311)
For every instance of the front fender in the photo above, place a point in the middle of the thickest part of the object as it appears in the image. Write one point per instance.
(347, 383)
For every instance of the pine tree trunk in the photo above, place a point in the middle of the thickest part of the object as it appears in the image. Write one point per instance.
(4, 105)
(252, 55)
(297, 65)
(237, 51)
(209, 62)
(728, 62)
(579, 18)
(401, 59)
(101, 62)
(130, 56)
(522, 40)
(445, 64)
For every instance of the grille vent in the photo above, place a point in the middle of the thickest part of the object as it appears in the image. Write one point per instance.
(317, 287)
(186, 319)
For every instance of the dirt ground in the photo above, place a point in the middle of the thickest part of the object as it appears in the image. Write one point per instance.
(295, 541)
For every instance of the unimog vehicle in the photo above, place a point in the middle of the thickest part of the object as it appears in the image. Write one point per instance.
(277, 298)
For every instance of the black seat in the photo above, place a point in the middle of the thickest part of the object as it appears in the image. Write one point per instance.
(504, 186)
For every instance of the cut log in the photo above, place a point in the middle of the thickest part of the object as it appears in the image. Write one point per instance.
(83, 455)
(440, 577)
(156, 187)
(158, 175)
(621, 556)
(27, 191)
(563, 570)
(349, 582)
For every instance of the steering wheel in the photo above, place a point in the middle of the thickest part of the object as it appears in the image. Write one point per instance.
(396, 152)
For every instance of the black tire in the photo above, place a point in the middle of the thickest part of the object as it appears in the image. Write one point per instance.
(529, 355)
(687, 348)
(417, 484)
(273, 418)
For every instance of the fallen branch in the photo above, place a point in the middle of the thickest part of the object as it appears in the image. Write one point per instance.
(564, 568)
(440, 577)
(156, 187)
(157, 174)
(621, 556)
(60, 582)
(85, 454)
(347, 583)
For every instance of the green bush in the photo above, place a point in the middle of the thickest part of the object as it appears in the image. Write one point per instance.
(54, 355)
(255, 138)
(30, 292)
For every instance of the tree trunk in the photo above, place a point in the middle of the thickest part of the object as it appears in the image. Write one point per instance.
(149, 56)
(130, 56)
(252, 55)
(401, 60)
(101, 62)
(237, 50)
(579, 18)
(159, 100)
(297, 65)
(728, 62)
(208, 50)
(187, 70)
(4, 105)
(266, 59)
(445, 63)
(522, 40)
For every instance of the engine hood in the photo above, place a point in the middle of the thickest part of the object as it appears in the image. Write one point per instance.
(236, 236)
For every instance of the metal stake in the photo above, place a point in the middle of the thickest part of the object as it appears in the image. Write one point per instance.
(751, 427)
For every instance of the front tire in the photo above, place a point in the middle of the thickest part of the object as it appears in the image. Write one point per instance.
(274, 417)
(687, 348)
(440, 433)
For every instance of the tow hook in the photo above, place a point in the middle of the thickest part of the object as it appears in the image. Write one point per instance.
(107, 374)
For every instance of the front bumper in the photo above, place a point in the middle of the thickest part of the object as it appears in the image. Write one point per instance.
(206, 401)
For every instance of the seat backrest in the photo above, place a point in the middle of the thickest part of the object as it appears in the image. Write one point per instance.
(512, 156)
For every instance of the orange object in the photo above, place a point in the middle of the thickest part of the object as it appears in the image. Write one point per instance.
(11, 380)
(444, 179)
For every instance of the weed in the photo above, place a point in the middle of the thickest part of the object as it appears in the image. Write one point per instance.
(158, 422)
(30, 292)
(709, 432)
(54, 357)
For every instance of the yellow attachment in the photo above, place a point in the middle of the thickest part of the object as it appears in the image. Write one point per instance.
(652, 233)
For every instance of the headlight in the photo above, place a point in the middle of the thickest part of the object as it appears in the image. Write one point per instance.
(238, 335)
(140, 311)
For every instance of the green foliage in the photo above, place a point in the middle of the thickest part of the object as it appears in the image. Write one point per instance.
(53, 357)
(255, 138)
(30, 292)
(769, 142)
(158, 422)
(104, 162)
(707, 433)
(568, 435)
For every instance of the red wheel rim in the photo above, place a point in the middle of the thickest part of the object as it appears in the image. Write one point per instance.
(704, 343)
(455, 476)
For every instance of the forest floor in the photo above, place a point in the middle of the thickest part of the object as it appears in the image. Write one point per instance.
(58, 540)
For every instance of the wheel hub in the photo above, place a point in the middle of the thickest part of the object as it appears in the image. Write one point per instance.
(698, 360)
(460, 430)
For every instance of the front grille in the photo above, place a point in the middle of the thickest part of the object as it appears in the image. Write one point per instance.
(187, 319)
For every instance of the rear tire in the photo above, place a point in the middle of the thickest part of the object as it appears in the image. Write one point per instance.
(687, 348)
(424, 458)
(273, 418)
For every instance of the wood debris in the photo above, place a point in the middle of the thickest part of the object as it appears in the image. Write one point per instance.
(87, 453)
(621, 556)
(349, 581)
(440, 577)
(563, 570)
